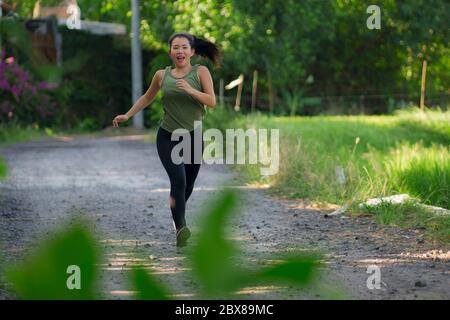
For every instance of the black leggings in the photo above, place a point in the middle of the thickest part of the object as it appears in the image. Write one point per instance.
(182, 176)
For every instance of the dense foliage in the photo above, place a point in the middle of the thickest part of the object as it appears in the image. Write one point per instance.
(21, 96)
(320, 49)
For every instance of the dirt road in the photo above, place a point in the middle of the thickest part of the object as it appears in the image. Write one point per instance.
(121, 184)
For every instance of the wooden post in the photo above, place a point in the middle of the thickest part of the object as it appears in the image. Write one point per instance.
(237, 82)
(270, 93)
(422, 91)
(221, 92)
(237, 106)
(255, 82)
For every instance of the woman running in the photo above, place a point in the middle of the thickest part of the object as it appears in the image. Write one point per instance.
(186, 89)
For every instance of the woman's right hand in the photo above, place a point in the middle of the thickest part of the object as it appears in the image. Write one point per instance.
(118, 119)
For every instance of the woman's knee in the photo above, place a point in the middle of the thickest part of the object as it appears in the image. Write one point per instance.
(172, 202)
(178, 184)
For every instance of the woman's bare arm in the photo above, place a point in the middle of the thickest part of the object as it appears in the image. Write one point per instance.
(207, 97)
(148, 96)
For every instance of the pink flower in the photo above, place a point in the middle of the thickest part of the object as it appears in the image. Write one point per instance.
(42, 85)
(4, 84)
(14, 90)
(9, 60)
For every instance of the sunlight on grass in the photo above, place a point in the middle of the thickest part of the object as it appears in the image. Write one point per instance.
(312, 147)
(13, 133)
(421, 172)
(407, 152)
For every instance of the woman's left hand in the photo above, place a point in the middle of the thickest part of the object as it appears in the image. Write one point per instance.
(184, 85)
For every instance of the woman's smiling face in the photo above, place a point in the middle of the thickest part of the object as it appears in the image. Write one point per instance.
(181, 51)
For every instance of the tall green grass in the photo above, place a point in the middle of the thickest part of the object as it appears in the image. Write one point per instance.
(407, 152)
(13, 132)
(423, 172)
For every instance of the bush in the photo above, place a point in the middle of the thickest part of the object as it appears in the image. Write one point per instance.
(22, 97)
(220, 117)
(98, 69)
(154, 112)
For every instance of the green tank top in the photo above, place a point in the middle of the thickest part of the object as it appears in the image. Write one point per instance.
(180, 108)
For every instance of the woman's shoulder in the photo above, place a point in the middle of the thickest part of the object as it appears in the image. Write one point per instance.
(160, 72)
(201, 66)
(201, 69)
(160, 75)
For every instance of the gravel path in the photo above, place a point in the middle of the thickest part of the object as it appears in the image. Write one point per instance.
(121, 184)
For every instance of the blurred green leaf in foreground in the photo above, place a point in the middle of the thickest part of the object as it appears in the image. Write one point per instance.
(216, 260)
(64, 266)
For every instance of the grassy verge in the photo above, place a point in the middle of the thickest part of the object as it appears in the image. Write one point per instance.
(407, 152)
(3, 168)
(14, 133)
(411, 215)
